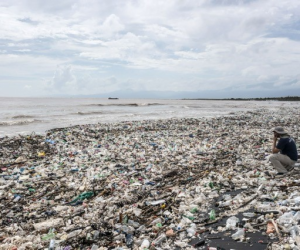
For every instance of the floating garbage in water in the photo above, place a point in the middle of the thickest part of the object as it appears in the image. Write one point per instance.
(149, 184)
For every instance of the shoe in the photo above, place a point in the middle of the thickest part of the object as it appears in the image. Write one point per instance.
(290, 168)
(281, 175)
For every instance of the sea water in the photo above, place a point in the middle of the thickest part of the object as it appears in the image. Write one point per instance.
(28, 115)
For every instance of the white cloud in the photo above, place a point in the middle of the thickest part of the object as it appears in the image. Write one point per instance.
(111, 25)
(27, 66)
(63, 77)
(23, 50)
(193, 45)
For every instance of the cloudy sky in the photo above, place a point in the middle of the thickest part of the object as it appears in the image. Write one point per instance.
(182, 48)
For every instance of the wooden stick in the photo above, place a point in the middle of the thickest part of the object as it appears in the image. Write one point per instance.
(277, 229)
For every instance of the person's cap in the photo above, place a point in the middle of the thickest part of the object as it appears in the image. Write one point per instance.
(280, 130)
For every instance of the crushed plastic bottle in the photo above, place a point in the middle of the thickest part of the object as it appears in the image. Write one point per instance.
(286, 219)
(145, 244)
(157, 220)
(294, 231)
(249, 214)
(296, 217)
(225, 203)
(50, 235)
(191, 231)
(159, 240)
(94, 247)
(52, 244)
(129, 240)
(232, 222)
(239, 234)
(158, 202)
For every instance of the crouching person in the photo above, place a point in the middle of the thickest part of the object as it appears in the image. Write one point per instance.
(284, 151)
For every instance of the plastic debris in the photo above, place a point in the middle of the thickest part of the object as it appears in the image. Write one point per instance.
(149, 185)
(232, 222)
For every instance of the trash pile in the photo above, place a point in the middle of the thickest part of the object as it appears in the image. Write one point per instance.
(164, 184)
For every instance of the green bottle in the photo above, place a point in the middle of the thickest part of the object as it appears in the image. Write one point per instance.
(212, 215)
(189, 217)
(194, 210)
(50, 235)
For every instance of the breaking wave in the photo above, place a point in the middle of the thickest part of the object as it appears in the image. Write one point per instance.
(88, 113)
(13, 123)
(127, 104)
(21, 116)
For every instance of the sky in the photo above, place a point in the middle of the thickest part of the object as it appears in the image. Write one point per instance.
(150, 48)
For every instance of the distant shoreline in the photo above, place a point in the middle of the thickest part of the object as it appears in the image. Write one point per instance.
(287, 98)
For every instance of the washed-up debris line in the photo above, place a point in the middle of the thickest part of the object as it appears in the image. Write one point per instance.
(165, 184)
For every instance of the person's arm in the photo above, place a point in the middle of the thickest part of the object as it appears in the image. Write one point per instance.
(274, 149)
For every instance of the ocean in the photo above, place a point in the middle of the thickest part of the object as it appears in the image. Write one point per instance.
(28, 115)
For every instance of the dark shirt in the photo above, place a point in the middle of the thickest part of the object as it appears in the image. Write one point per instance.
(288, 147)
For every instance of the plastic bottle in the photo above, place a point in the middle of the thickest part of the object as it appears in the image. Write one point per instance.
(295, 201)
(191, 231)
(294, 231)
(227, 197)
(52, 244)
(133, 223)
(145, 244)
(17, 198)
(194, 210)
(88, 236)
(159, 240)
(142, 228)
(231, 222)
(296, 217)
(263, 207)
(153, 203)
(225, 203)
(129, 240)
(212, 215)
(50, 235)
(179, 227)
(96, 235)
(249, 214)
(148, 168)
(74, 233)
(239, 163)
(124, 228)
(182, 235)
(239, 234)
(157, 220)
(94, 247)
(286, 219)
(189, 217)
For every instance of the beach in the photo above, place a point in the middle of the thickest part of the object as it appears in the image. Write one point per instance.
(166, 181)
(150, 125)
